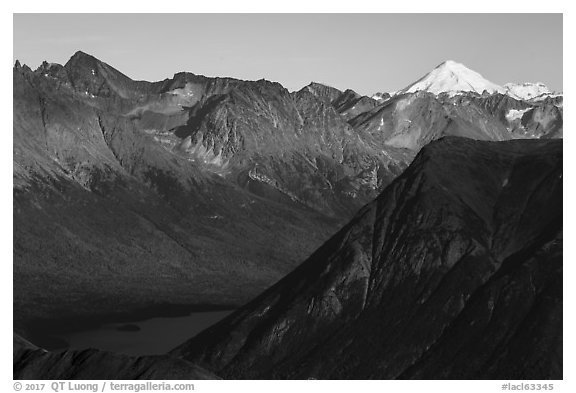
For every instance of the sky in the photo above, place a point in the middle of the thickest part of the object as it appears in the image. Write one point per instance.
(365, 52)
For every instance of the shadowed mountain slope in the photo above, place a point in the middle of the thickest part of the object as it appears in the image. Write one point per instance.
(31, 362)
(454, 271)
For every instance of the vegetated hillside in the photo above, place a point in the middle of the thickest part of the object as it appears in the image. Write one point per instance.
(454, 271)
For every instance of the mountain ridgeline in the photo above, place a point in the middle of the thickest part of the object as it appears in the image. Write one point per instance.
(454, 271)
(195, 192)
(32, 362)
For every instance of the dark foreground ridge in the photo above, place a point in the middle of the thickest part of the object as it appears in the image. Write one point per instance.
(31, 362)
(454, 271)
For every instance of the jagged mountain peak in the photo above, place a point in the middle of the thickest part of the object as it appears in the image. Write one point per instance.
(347, 97)
(452, 77)
(318, 85)
(82, 58)
(80, 54)
(21, 67)
(45, 66)
(381, 97)
(93, 76)
(324, 92)
(82, 62)
(351, 93)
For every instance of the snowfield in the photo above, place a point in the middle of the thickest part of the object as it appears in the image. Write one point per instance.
(452, 78)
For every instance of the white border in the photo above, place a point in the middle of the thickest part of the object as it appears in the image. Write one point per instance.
(369, 6)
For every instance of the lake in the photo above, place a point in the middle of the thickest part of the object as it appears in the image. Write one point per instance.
(147, 337)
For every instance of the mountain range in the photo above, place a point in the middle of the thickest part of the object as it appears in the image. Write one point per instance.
(196, 192)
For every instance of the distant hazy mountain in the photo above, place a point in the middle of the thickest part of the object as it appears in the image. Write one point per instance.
(351, 104)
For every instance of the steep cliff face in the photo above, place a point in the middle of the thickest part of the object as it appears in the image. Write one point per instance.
(350, 104)
(287, 146)
(454, 271)
(31, 362)
(326, 94)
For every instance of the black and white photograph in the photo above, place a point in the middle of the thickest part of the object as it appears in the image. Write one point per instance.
(287, 196)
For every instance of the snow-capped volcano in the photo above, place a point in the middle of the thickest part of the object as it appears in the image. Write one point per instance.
(452, 78)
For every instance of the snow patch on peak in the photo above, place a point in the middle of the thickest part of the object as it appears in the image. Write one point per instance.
(381, 97)
(527, 91)
(453, 78)
(451, 64)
